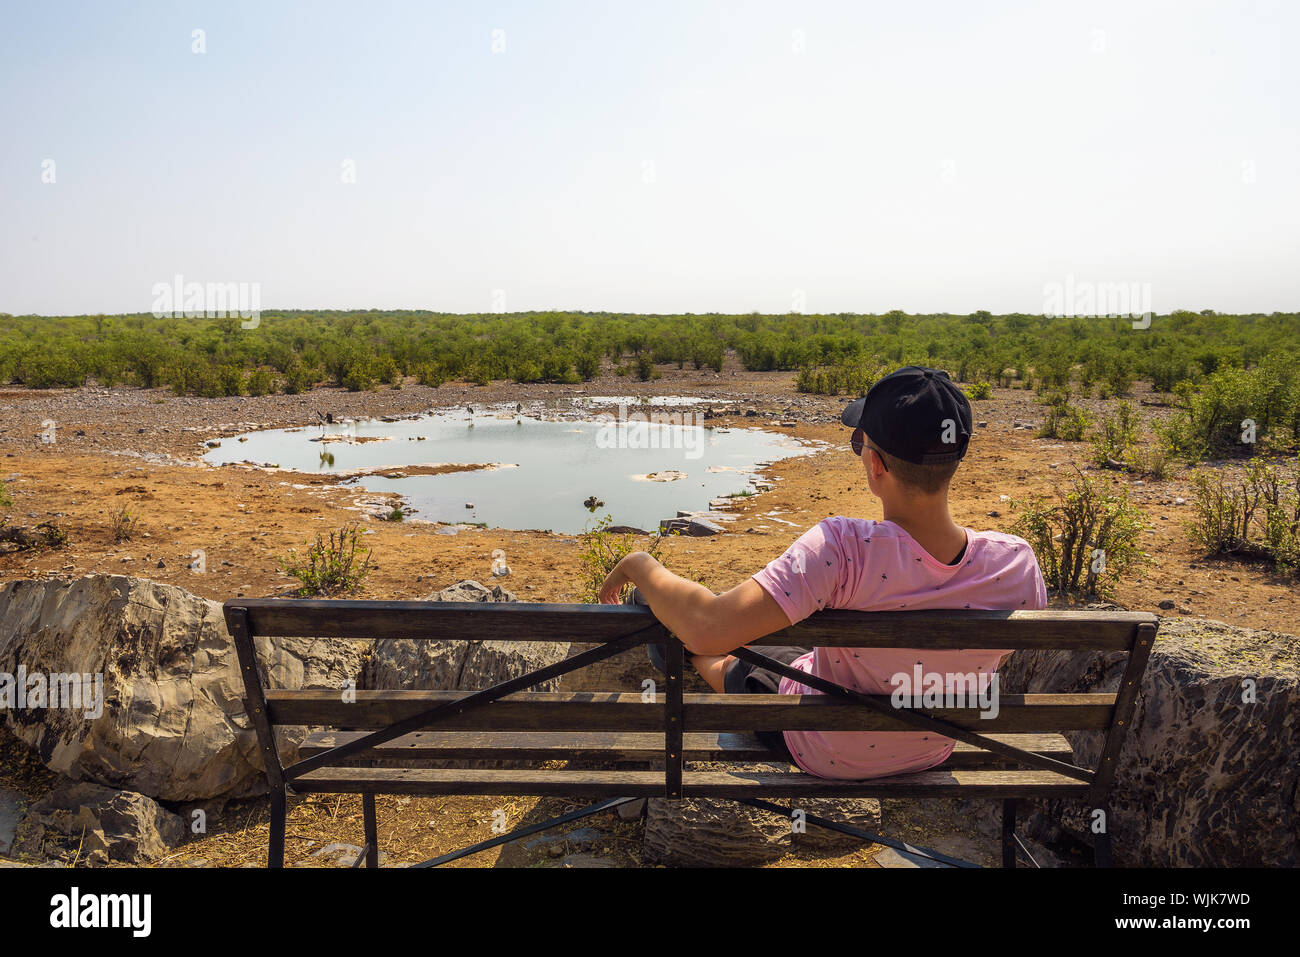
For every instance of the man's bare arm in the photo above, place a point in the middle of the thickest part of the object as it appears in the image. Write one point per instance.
(707, 624)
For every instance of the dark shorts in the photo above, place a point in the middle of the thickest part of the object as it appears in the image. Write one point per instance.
(742, 677)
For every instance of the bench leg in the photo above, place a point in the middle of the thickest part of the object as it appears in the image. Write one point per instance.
(1009, 832)
(275, 847)
(372, 830)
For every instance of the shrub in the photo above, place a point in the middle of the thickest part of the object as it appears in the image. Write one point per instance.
(1064, 421)
(645, 367)
(1085, 538)
(980, 390)
(299, 378)
(1116, 437)
(430, 374)
(1254, 515)
(1153, 461)
(5, 498)
(261, 382)
(358, 379)
(588, 366)
(1213, 421)
(843, 378)
(122, 524)
(333, 565)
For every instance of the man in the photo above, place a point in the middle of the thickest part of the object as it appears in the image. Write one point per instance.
(911, 431)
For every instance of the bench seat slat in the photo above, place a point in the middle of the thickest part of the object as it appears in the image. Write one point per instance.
(437, 781)
(600, 711)
(617, 747)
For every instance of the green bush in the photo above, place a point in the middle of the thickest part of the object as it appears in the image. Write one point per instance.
(1254, 514)
(588, 366)
(261, 382)
(430, 374)
(298, 379)
(1115, 437)
(980, 390)
(1214, 421)
(1064, 421)
(1085, 536)
(334, 564)
(645, 368)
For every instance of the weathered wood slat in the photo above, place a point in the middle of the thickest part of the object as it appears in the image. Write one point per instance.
(531, 621)
(621, 747)
(426, 781)
(1075, 630)
(448, 621)
(605, 711)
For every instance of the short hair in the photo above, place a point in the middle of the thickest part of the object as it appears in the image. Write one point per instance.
(928, 479)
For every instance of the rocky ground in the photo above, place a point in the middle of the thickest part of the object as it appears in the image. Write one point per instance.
(78, 456)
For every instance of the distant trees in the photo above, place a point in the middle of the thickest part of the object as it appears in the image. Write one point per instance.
(1180, 354)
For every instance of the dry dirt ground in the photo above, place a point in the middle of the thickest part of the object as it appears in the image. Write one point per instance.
(140, 449)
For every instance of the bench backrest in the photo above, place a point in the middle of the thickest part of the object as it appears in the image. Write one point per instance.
(617, 627)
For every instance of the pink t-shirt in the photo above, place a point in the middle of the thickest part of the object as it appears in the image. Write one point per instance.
(877, 566)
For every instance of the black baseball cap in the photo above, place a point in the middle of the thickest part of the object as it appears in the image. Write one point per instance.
(910, 411)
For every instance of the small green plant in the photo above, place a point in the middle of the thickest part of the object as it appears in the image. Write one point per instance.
(334, 563)
(980, 390)
(1115, 437)
(123, 525)
(1064, 421)
(1153, 461)
(5, 498)
(396, 515)
(1085, 537)
(599, 551)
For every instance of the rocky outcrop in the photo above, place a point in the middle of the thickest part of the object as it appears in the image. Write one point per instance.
(459, 665)
(98, 825)
(703, 832)
(167, 717)
(1208, 776)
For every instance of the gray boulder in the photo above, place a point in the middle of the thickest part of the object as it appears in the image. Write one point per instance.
(459, 665)
(1207, 777)
(99, 825)
(704, 832)
(172, 723)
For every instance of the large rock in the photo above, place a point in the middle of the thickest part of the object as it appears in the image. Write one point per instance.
(1205, 779)
(706, 832)
(100, 824)
(459, 665)
(172, 725)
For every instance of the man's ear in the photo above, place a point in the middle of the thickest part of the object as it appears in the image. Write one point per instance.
(875, 464)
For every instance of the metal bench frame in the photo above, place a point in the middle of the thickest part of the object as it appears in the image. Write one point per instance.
(633, 626)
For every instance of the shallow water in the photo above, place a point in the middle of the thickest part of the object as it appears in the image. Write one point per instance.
(557, 464)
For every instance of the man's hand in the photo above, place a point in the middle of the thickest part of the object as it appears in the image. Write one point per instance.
(707, 624)
(611, 588)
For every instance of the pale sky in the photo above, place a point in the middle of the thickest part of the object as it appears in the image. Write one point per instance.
(650, 157)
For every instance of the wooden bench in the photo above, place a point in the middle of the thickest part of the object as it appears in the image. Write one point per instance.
(400, 741)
